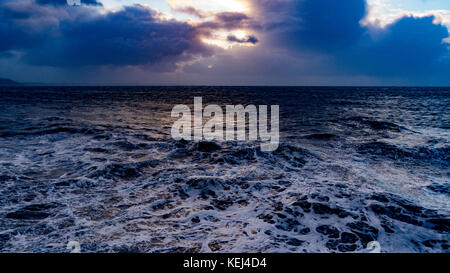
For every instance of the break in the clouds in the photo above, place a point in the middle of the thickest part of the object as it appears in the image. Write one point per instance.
(246, 42)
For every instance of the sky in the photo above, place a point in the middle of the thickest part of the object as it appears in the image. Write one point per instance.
(233, 42)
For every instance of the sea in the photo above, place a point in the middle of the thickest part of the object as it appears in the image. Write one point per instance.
(98, 166)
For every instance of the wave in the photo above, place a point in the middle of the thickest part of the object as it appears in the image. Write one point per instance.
(435, 156)
(370, 123)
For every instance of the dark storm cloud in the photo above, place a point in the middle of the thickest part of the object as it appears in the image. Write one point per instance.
(314, 24)
(410, 47)
(13, 34)
(132, 36)
(250, 39)
(329, 24)
(78, 36)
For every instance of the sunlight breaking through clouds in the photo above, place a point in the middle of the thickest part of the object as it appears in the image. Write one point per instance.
(206, 10)
(196, 12)
(228, 39)
(212, 5)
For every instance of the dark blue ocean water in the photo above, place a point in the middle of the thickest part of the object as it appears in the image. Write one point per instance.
(98, 165)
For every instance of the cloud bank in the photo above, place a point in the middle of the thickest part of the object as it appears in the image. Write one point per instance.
(297, 42)
(51, 33)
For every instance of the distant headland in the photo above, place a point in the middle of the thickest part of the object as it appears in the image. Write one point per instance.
(8, 82)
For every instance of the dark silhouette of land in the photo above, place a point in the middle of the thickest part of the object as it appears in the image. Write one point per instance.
(7, 82)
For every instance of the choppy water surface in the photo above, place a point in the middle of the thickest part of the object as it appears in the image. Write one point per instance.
(98, 166)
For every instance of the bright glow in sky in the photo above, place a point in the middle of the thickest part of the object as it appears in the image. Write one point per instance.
(212, 5)
(220, 38)
(165, 5)
(170, 7)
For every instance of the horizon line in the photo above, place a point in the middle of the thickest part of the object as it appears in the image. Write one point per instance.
(210, 85)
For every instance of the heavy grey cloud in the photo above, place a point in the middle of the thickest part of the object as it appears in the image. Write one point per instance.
(61, 35)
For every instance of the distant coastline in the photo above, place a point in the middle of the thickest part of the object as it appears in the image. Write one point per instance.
(8, 82)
